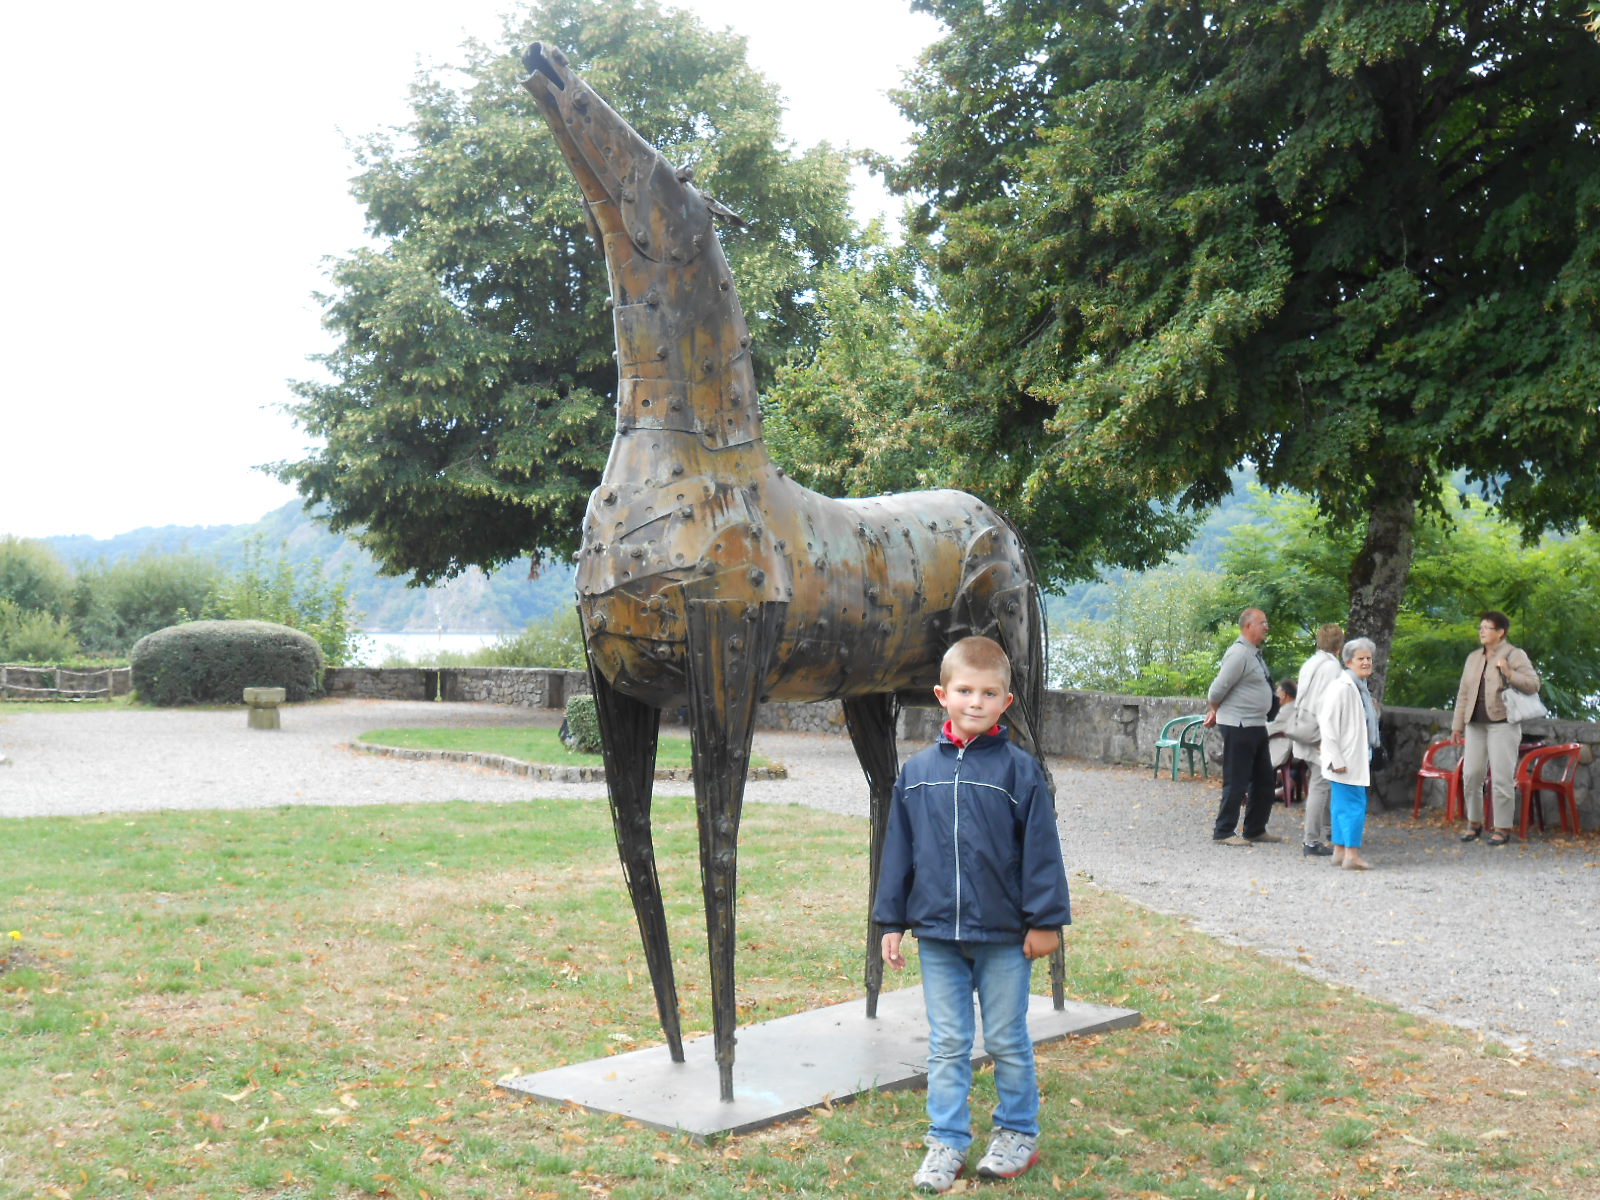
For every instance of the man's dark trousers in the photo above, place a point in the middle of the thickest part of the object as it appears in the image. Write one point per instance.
(1246, 768)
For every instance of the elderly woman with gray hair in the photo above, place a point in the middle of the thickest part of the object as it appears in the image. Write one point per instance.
(1349, 723)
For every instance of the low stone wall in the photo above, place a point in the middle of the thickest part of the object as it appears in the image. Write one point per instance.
(1121, 730)
(1407, 732)
(19, 682)
(381, 683)
(1094, 726)
(528, 687)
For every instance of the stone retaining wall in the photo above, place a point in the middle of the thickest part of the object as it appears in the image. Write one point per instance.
(529, 687)
(381, 683)
(1121, 730)
(19, 682)
(1094, 726)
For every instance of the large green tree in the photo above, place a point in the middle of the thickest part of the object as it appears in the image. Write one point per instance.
(466, 412)
(1354, 243)
(885, 405)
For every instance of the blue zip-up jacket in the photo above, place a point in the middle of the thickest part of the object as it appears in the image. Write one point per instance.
(971, 853)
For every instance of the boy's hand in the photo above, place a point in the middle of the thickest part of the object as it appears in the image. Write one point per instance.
(891, 951)
(1040, 942)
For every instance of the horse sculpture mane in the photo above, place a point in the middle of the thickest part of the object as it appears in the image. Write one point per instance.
(708, 578)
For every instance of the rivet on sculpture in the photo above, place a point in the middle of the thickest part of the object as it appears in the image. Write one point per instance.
(709, 579)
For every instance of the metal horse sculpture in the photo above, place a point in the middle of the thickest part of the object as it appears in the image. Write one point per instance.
(708, 578)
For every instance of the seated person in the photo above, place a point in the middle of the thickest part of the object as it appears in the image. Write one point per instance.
(1281, 748)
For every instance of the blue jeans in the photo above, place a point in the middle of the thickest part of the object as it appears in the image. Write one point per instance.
(1000, 974)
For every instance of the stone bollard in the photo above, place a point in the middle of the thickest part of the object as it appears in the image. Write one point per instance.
(263, 702)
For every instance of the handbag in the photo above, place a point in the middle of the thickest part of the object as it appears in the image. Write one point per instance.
(1303, 726)
(1522, 706)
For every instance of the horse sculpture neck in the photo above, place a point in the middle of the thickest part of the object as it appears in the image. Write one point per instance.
(686, 385)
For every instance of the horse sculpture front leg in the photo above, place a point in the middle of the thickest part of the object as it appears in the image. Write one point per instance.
(629, 731)
(730, 647)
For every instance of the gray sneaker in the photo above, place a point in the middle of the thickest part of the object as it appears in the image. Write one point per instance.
(941, 1166)
(1010, 1154)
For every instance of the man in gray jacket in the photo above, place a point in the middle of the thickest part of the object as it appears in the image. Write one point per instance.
(1237, 705)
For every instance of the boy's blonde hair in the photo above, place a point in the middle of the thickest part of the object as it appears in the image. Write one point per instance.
(975, 654)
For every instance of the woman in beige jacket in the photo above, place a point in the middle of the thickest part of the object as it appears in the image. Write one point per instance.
(1480, 716)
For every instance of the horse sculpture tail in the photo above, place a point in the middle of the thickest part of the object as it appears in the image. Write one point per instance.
(1029, 659)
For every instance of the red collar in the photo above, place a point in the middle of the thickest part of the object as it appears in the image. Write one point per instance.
(950, 734)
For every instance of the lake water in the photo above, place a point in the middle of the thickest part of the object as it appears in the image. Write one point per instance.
(376, 646)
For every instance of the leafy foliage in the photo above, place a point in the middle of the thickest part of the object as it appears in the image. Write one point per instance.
(32, 577)
(1164, 631)
(466, 412)
(1291, 564)
(555, 641)
(581, 729)
(31, 635)
(35, 589)
(303, 599)
(1356, 246)
(115, 604)
(212, 662)
(1160, 636)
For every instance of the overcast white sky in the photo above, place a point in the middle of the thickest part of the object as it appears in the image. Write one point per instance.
(178, 171)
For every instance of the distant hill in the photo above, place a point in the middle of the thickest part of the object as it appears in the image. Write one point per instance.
(475, 602)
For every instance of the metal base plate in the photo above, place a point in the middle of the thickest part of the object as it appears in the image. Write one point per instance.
(785, 1066)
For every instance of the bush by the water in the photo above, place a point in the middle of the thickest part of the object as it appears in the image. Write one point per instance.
(212, 662)
(581, 730)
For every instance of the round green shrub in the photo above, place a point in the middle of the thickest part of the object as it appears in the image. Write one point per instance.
(212, 662)
(581, 730)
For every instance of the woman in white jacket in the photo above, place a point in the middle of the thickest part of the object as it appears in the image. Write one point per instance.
(1346, 753)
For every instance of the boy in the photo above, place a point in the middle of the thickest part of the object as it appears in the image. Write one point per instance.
(972, 866)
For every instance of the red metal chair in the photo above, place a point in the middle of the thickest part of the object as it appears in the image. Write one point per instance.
(1291, 782)
(1531, 781)
(1454, 806)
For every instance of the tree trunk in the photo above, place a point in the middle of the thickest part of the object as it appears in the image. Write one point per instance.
(1378, 579)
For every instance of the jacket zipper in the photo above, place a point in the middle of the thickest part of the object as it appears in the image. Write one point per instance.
(955, 828)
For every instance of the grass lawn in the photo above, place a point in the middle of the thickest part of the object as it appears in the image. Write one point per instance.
(526, 745)
(316, 1002)
(12, 708)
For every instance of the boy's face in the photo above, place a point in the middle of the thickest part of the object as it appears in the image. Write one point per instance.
(974, 701)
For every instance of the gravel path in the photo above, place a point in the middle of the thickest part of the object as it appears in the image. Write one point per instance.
(1504, 941)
